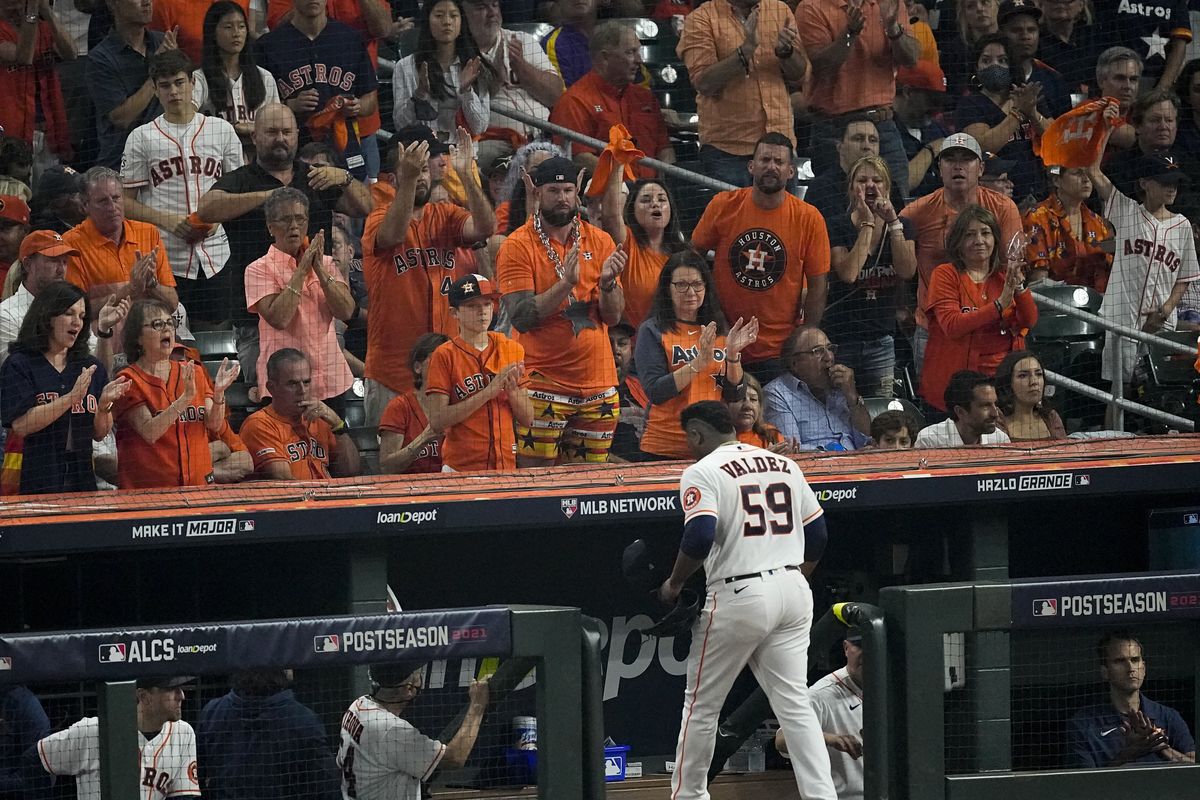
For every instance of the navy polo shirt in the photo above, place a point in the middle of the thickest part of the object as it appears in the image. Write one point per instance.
(249, 238)
(58, 458)
(115, 72)
(1096, 737)
(335, 63)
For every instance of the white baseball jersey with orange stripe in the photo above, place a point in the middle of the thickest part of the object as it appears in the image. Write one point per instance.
(172, 165)
(168, 760)
(757, 610)
(382, 756)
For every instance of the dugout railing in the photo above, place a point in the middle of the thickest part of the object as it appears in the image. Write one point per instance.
(985, 678)
(541, 660)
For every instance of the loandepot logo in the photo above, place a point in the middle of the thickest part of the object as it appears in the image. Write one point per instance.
(407, 517)
(837, 495)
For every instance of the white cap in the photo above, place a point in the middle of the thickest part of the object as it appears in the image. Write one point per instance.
(961, 141)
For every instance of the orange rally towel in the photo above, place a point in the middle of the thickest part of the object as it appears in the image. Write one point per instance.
(199, 224)
(331, 121)
(1075, 139)
(620, 150)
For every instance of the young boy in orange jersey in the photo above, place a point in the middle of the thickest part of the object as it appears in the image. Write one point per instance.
(476, 385)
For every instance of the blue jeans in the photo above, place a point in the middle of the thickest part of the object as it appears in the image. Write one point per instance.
(725, 166)
(873, 363)
(827, 132)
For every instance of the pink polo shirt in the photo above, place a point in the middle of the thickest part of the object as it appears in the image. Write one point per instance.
(311, 330)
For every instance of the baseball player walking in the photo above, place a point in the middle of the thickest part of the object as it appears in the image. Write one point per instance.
(755, 525)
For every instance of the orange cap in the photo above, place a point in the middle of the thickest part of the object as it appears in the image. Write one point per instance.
(47, 243)
(922, 75)
(14, 209)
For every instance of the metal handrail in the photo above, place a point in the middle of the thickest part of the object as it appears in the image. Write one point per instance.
(1128, 405)
(1115, 327)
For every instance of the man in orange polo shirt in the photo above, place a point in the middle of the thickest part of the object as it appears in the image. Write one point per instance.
(409, 263)
(297, 437)
(609, 95)
(855, 49)
(559, 281)
(117, 255)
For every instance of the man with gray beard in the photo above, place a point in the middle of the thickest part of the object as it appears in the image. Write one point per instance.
(236, 201)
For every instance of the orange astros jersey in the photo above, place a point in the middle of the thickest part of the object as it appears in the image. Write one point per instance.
(180, 457)
(486, 439)
(303, 446)
(407, 287)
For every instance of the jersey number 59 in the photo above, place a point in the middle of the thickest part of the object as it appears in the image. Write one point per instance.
(767, 506)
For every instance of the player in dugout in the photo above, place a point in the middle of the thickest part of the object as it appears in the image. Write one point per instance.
(297, 437)
(382, 755)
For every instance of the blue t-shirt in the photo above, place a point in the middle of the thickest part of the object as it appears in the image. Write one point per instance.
(569, 52)
(58, 458)
(1096, 737)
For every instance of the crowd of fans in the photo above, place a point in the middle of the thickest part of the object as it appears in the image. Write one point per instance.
(492, 296)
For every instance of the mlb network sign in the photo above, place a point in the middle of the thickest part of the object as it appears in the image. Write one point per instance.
(618, 506)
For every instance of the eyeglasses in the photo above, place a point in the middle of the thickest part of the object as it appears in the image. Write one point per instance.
(819, 351)
(683, 287)
(296, 219)
(161, 324)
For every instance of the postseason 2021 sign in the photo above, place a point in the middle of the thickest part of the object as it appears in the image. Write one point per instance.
(1110, 600)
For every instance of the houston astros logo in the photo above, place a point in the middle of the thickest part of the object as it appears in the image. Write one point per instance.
(690, 498)
(758, 259)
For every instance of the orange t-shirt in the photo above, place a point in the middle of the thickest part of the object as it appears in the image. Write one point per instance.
(180, 457)
(189, 16)
(485, 440)
(762, 259)
(663, 435)
(407, 288)
(405, 417)
(640, 278)
(591, 106)
(932, 217)
(304, 446)
(502, 212)
(579, 361)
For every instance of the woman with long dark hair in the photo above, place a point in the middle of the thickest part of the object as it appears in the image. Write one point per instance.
(646, 226)
(685, 353)
(747, 413)
(229, 84)
(57, 398)
(1021, 396)
(977, 307)
(444, 76)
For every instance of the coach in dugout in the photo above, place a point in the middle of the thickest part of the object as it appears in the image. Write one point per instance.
(1130, 728)
(297, 437)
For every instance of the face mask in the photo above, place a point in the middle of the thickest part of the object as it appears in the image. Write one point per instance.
(994, 78)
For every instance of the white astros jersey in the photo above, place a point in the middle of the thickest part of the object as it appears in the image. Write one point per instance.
(237, 110)
(383, 757)
(837, 701)
(1152, 255)
(168, 760)
(171, 166)
(761, 502)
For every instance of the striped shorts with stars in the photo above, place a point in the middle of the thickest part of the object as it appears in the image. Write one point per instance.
(568, 428)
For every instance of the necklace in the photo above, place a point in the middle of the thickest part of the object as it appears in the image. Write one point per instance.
(550, 251)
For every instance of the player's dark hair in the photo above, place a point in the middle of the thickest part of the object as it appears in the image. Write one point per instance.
(259, 682)
(664, 309)
(852, 119)
(1147, 100)
(422, 349)
(957, 235)
(219, 88)
(1118, 635)
(284, 355)
(760, 428)
(131, 338)
(777, 139)
(1004, 378)
(168, 64)
(464, 50)
(673, 240)
(981, 44)
(55, 299)
(712, 413)
(892, 422)
(960, 391)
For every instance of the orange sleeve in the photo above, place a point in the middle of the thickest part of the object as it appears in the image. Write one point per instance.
(514, 270)
(134, 396)
(395, 417)
(276, 9)
(502, 212)
(440, 379)
(571, 112)
(946, 307)
(162, 267)
(231, 439)
(1037, 252)
(262, 440)
(371, 228)
(1025, 309)
(705, 237)
(1010, 223)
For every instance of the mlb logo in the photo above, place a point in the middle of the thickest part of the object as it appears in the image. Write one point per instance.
(1045, 608)
(112, 653)
(5, 663)
(1191, 519)
(327, 644)
(1083, 480)
(569, 507)
(246, 525)
(587, 255)
(599, 109)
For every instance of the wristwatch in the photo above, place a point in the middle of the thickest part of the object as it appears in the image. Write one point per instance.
(31, 19)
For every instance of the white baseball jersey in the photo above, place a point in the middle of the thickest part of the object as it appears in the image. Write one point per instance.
(761, 502)
(237, 111)
(383, 757)
(838, 703)
(172, 165)
(168, 760)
